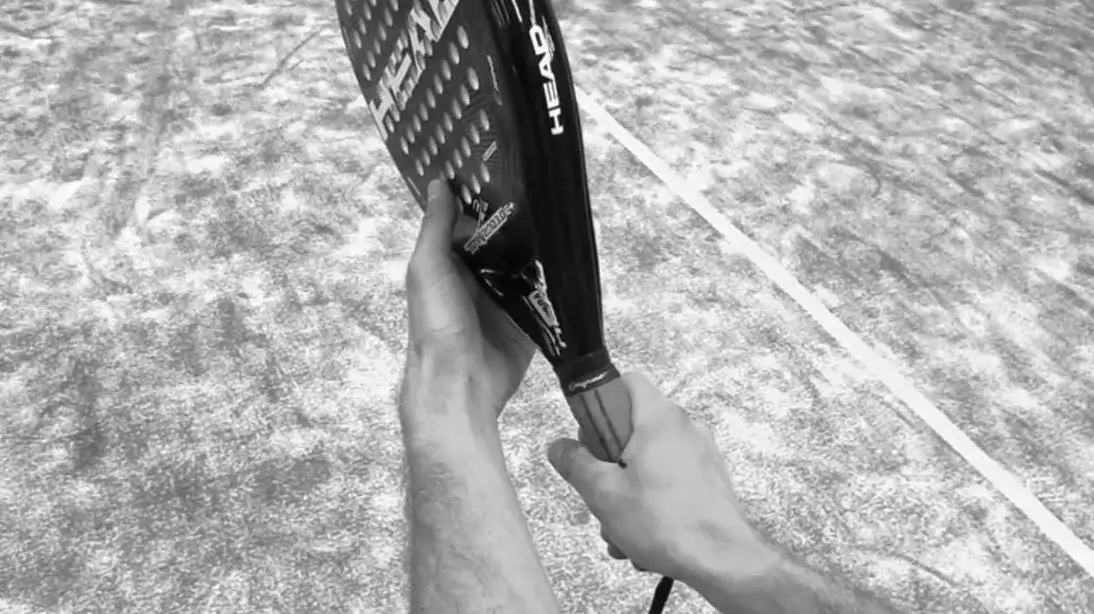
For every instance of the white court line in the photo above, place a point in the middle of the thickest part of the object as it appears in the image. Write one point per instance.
(1002, 479)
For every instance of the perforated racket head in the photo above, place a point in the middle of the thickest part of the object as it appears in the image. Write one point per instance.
(431, 76)
(438, 78)
(479, 92)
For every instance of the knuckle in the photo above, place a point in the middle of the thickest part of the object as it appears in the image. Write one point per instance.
(640, 383)
(678, 416)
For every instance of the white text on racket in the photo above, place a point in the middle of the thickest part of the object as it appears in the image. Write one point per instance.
(488, 226)
(408, 59)
(541, 45)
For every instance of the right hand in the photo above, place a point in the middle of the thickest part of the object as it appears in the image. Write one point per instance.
(672, 509)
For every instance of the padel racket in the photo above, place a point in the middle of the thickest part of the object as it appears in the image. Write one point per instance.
(480, 92)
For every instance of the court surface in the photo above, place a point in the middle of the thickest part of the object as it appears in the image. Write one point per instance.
(857, 238)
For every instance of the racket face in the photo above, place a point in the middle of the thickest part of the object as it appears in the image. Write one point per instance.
(478, 92)
(429, 73)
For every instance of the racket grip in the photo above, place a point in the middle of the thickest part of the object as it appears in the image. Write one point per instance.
(604, 415)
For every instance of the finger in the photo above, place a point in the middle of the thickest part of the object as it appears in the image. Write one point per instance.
(642, 384)
(495, 321)
(604, 535)
(434, 246)
(586, 473)
(479, 292)
(613, 550)
(616, 553)
(439, 220)
(656, 408)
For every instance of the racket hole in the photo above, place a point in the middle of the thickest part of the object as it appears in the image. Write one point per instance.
(437, 85)
(356, 40)
(465, 194)
(440, 135)
(432, 146)
(475, 135)
(422, 113)
(453, 53)
(484, 119)
(485, 172)
(465, 147)
(457, 158)
(473, 79)
(456, 110)
(395, 5)
(418, 167)
(430, 99)
(376, 45)
(417, 124)
(404, 145)
(368, 16)
(383, 36)
(390, 125)
(447, 123)
(449, 171)
(446, 71)
(387, 18)
(461, 36)
(371, 61)
(476, 187)
(465, 96)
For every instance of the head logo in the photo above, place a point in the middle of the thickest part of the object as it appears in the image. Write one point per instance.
(543, 47)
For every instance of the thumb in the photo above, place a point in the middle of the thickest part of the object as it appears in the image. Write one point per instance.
(577, 465)
(440, 218)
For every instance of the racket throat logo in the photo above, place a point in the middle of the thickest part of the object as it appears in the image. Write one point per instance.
(541, 45)
(488, 227)
(539, 303)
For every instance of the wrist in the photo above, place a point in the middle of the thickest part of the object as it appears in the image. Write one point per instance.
(439, 394)
(735, 566)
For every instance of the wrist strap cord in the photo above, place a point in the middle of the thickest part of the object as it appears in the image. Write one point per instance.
(664, 586)
(661, 595)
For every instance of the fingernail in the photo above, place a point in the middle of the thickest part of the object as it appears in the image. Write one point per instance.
(553, 452)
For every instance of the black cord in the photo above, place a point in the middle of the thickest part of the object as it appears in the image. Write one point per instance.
(661, 595)
(664, 586)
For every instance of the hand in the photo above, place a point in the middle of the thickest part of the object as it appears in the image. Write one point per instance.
(672, 510)
(452, 322)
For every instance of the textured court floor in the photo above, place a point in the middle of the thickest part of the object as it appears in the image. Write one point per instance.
(201, 321)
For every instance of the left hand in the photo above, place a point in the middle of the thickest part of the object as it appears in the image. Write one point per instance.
(452, 321)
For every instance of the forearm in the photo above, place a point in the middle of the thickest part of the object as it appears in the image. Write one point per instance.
(470, 546)
(778, 585)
